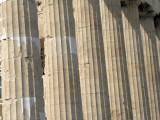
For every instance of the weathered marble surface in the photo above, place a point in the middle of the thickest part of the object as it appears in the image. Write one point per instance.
(22, 92)
(102, 59)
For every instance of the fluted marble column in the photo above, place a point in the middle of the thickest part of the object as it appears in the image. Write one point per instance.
(62, 87)
(22, 92)
(151, 63)
(134, 56)
(117, 73)
(157, 23)
(93, 78)
(158, 39)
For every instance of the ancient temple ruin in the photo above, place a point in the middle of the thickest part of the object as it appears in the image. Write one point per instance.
(80, 59)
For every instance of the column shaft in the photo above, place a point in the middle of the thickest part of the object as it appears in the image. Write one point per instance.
(150, 61)
(133, 46)
(22, 91)
(158, 43)
(158, 67)
(117, 74)
(62, 87)
(93, 78)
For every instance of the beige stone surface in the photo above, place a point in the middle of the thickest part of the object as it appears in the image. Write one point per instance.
(158, 64)
(151, 66)
(100, 59)
(40, 13)
(22, 92)
(116, 65)
(157, 22)
(93, 78)
(62, 85)
(135, 62)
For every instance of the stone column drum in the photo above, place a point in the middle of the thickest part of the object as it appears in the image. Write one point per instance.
(116, 65)
(22, 92)
(135, 64)
(157, 23)
(93, 78)
(151, 63)
(61, 79)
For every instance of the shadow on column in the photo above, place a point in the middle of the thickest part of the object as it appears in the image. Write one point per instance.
(155, 75)
(115, 9)
(157, 25)
(141, 65)
(147, 9)
(97, 26)
(74, 78)
(33, 52)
